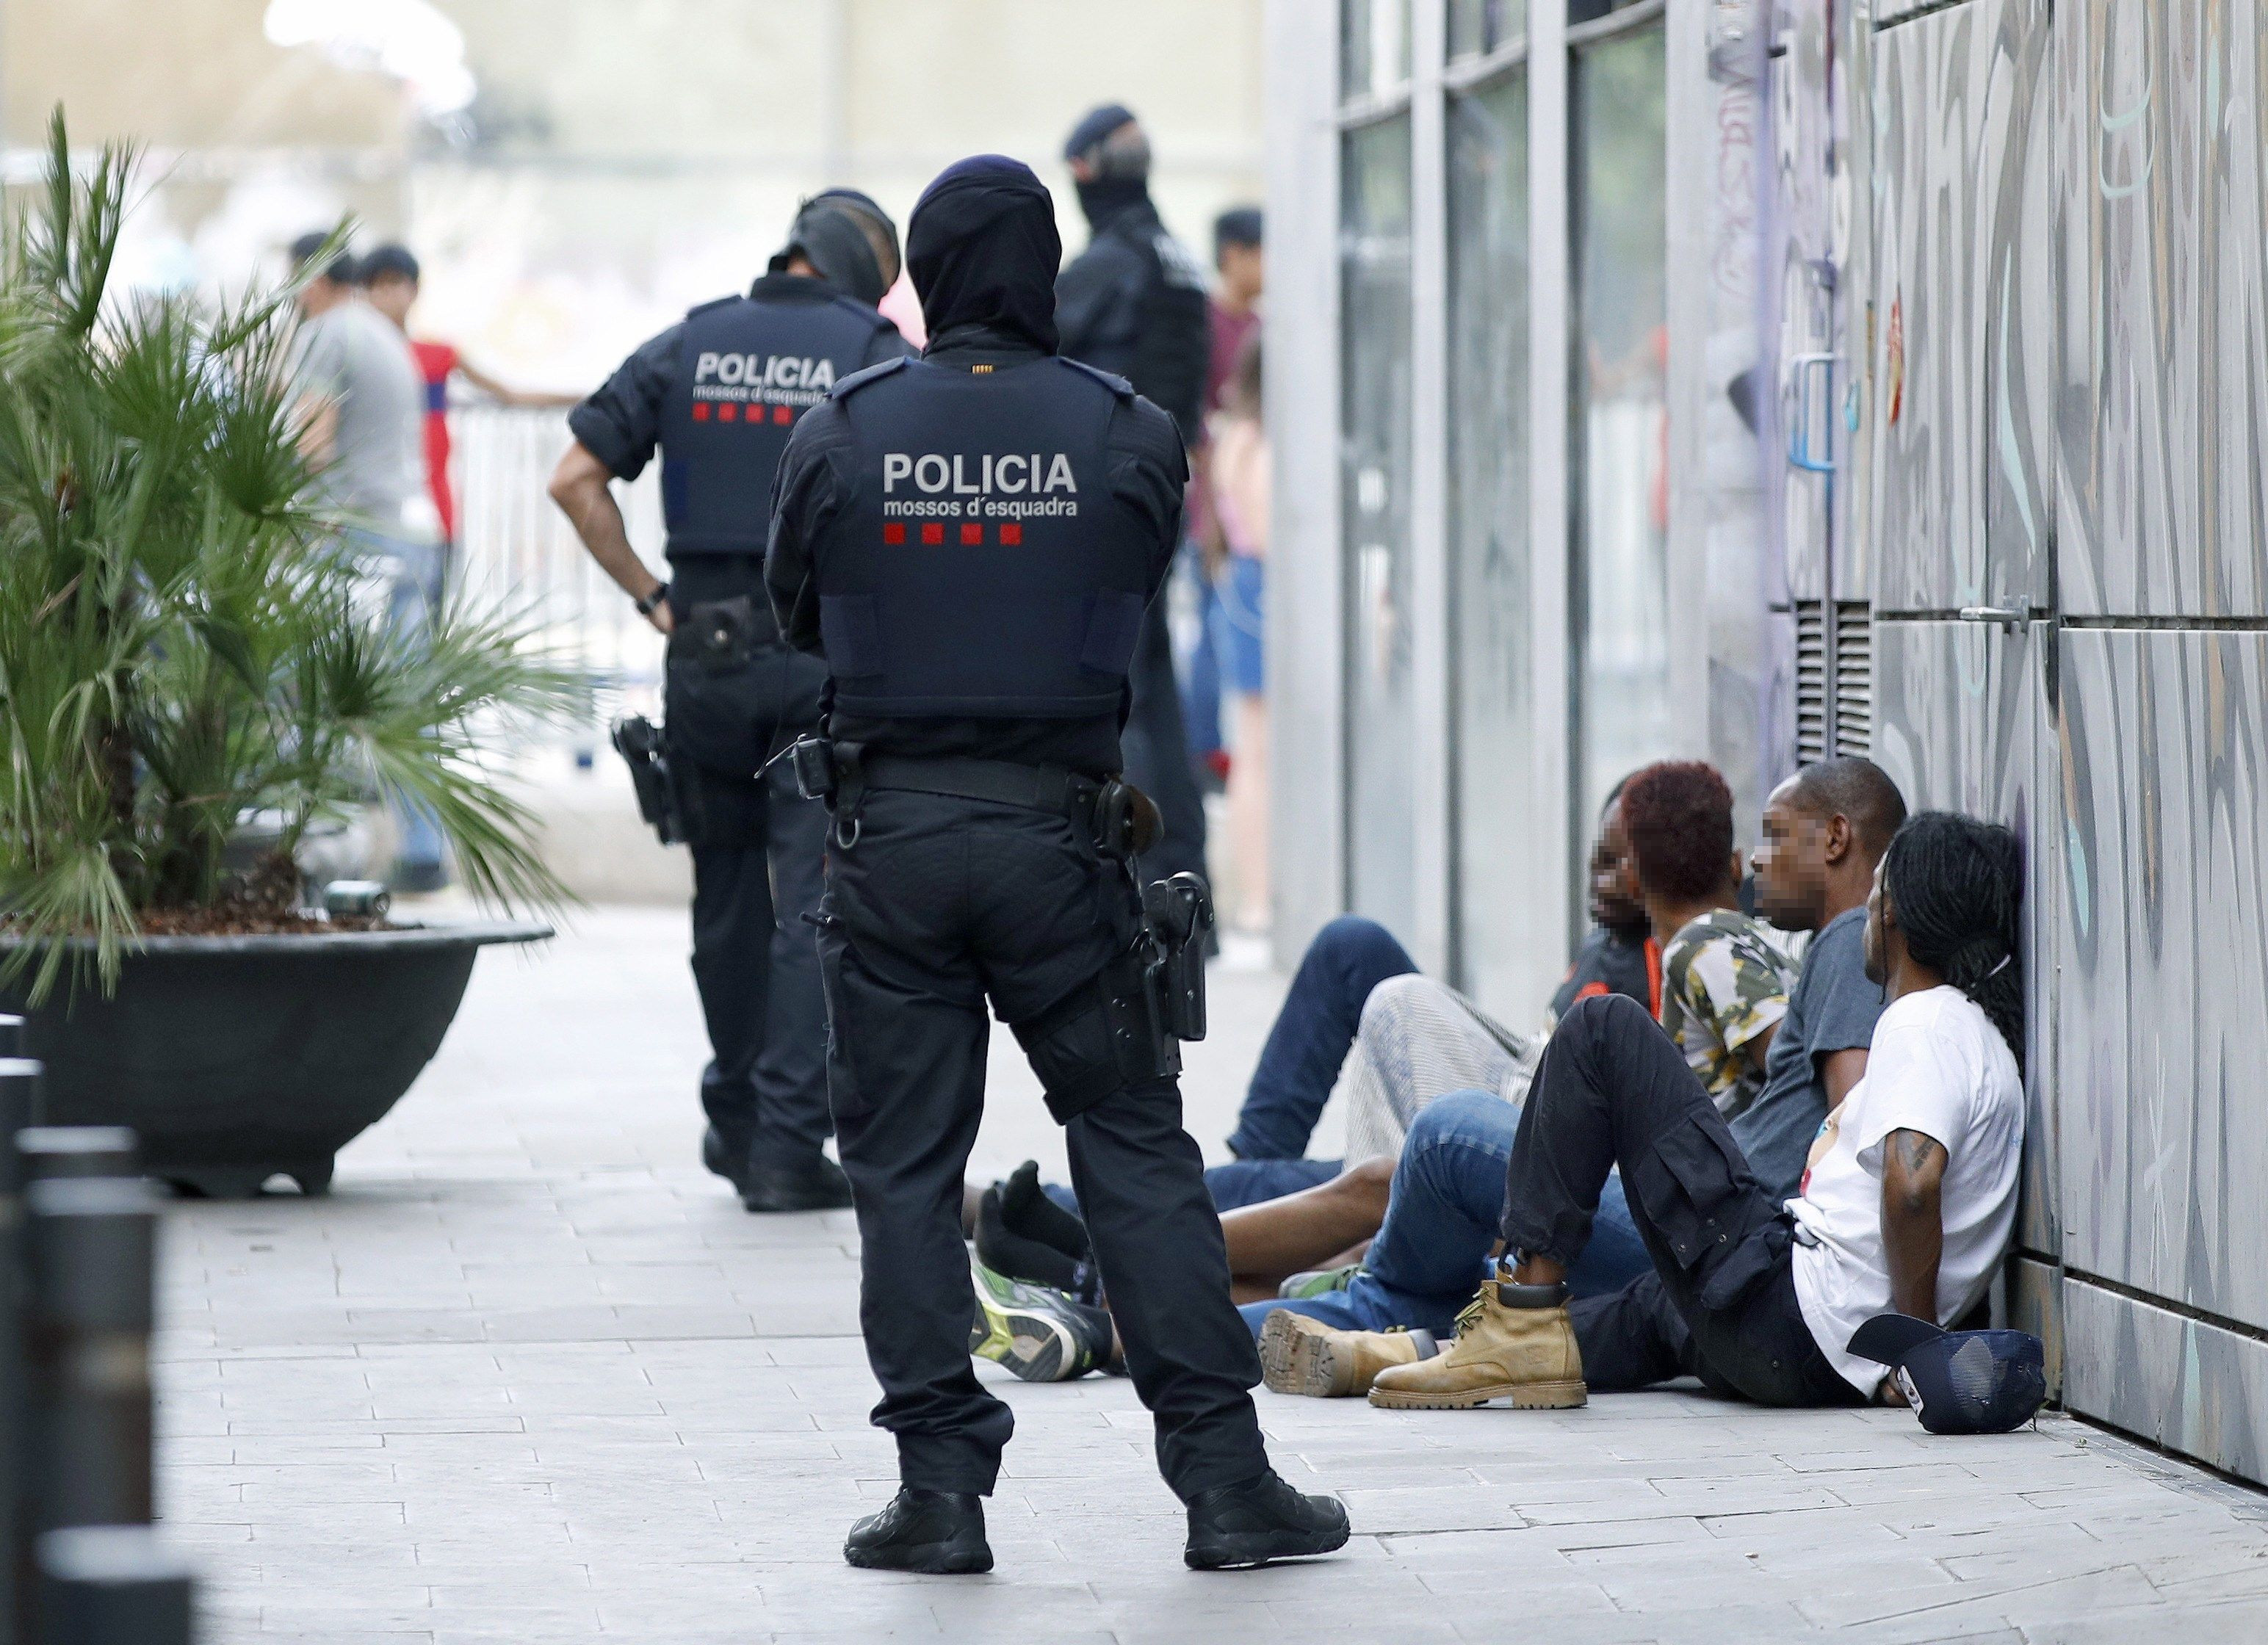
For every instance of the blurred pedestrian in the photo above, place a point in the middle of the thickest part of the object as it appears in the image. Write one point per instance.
(361, 410)
(1134, 304)
(1238, 479)
(390, 279)
(1234, 317)
(718, 394)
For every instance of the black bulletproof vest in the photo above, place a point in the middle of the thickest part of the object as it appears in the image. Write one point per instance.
(747, 370)
(981, 567)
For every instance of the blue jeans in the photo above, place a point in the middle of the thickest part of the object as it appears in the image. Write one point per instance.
(1312, 1036)
(1240, 1183)
(1431, 1252)
(412, 572)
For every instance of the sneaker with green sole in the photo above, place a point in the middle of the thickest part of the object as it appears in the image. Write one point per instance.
(1039, 1334)
(1318, 1282)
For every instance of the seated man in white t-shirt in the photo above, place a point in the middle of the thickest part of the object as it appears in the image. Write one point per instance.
(1909, 1203)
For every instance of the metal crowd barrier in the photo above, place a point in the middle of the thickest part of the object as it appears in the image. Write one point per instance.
(515, 551)
(78, 1250)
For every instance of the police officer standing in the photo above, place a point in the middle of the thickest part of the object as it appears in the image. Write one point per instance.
(970, 539)
(1136, 303)
(720, 393)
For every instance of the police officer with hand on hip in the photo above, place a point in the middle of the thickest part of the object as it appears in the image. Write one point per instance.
(970, 539)
(720, 393)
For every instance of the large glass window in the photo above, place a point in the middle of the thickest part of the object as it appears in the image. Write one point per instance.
(1477, 28)
(1620, 619)
(1375, 499)
(1488, 527)
(1373, 47)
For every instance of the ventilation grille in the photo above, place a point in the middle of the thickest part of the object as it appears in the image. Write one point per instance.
(1811, 663)
(1854, 677)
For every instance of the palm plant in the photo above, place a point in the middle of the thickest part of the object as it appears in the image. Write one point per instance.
(184, 643)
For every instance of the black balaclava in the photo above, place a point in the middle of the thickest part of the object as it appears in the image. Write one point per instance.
(836, 233)
(1117, 156)
(983, 250)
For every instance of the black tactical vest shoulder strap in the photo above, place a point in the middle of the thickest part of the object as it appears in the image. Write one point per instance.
(1115, 383)
(858, 380)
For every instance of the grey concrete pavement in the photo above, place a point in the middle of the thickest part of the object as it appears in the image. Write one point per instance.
(529, 1374)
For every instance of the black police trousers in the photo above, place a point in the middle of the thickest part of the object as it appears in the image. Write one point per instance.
(938, 906)
(1157, 744)
(1614, 1089)
(757, 850)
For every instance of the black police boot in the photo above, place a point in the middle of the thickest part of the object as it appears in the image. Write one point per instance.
(810, 1182)
(1235, 1526)
(725, 1158)
(940, 1533)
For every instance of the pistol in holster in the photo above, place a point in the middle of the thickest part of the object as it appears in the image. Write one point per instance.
(1179, 914)
(638, 740)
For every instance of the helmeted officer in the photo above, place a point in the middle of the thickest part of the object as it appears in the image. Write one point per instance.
(970, 539)
(1135, 302)
(720, 391)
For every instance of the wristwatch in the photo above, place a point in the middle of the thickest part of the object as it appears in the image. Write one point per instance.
(661, 593)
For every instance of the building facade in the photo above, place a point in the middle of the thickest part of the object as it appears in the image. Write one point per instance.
(1756, 379)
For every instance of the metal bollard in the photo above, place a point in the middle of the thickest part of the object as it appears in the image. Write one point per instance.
(114, 1585)
(93, 1274)
(78, 1150)
(19, 1106)
(11, 1035)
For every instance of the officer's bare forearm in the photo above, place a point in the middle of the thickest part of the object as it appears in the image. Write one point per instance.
(1913, 1225)
(579, 485)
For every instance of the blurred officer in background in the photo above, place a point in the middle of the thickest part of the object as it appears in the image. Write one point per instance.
(719, 393)
(1134, 302)
(970, 541)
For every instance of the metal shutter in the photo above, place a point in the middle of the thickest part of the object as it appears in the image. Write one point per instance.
(1854, 677)
(1811, 682)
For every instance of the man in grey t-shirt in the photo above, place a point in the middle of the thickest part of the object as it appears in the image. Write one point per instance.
(361, 405)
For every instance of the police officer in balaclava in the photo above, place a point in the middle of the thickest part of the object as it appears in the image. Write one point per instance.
(1134, 302)
(719, 393)
(970, 540)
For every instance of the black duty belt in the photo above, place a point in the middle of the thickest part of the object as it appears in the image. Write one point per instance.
(1003, 782)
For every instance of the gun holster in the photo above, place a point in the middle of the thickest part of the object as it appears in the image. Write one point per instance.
(639, 741)
(1179, 914)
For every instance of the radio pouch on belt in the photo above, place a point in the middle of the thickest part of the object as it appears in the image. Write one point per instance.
(639, 741)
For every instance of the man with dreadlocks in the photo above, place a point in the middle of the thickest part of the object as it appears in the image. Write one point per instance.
(1908, 1203)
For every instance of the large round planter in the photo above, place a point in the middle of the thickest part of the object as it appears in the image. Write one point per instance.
(238, 1058)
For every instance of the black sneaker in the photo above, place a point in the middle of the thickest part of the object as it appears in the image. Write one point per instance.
(813, 1183)
(939, 1533)
(1234, 1527)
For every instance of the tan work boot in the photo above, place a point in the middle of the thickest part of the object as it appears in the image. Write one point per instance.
(1306, 1356)
(1513, 1342)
